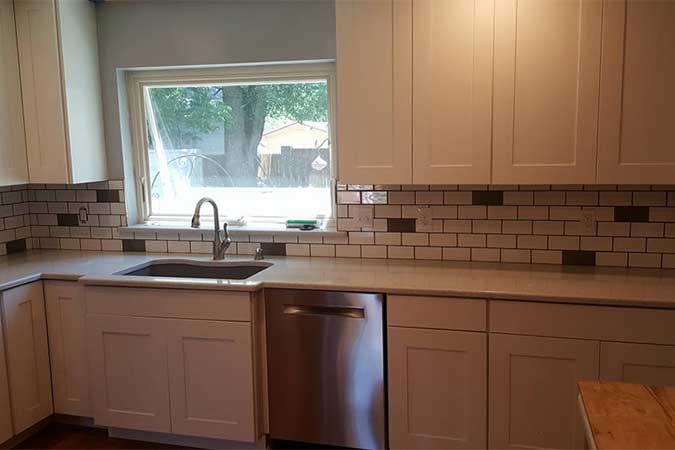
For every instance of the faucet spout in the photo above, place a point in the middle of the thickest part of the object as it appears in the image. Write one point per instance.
(221, 240)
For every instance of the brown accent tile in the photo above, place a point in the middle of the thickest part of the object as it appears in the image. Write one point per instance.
(631, 214)
(401, 225)
(486, 198)
(578, 258)
(273, 248)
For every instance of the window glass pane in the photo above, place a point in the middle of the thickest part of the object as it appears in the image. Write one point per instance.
(258, 149)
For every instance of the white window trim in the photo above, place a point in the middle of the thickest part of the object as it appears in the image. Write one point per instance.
(138, 80)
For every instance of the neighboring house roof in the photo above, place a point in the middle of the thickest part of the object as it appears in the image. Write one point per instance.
(295, 135)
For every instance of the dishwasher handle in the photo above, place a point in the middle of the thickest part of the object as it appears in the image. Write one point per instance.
(334, 311)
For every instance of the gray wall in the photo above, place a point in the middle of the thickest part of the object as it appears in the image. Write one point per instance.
(156, 33)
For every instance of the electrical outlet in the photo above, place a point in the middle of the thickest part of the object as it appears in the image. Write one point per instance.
(588, 220)
(424, 222)
(364, 216)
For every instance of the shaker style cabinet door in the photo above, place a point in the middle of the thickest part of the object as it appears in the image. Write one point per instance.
(128, 361)
(6, 430)
(42, 91)
(533, 391)
(546, 91)
(638, 363)
(25, 327)
(13, 165)
(374, 91)
(637, 105)
(211, 379)
(452, 91)
(68, 349)
(437, 389)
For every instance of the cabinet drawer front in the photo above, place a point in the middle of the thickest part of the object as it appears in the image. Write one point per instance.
(585, 322)
(183, 304)
(436, 312)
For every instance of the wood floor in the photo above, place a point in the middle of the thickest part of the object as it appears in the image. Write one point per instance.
(62, 437)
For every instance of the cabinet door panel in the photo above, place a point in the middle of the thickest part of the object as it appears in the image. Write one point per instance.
(68, 351)
(13, 165)
(27, 355)
(638, 363)
(637, 106)
(452, 91)
(211, 379)
(547, 68)
(533, 393)
(6, 430)
(42, 91)
(437, 389)
(374, 91)
(128, 360)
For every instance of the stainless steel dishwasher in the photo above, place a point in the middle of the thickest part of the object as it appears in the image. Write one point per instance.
(325, 354)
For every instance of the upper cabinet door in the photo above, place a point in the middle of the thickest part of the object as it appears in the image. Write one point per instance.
(546, 91)
(374, 40)
(13, 166)
(637, 106)
(42, 91)
(25, 327)
(452, 91)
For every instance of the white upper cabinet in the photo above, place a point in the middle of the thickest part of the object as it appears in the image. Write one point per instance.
(374, 45)
(546, 91)
(637, 105)
(61, 91)
(13, 165)
(452, 91)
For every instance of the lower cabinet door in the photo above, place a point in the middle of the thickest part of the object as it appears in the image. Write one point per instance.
(638, 363)
(27, 355)
(128, 362)
(6, 431)
(211, 379)
(437, 389)
(68, 349)
(533, 392)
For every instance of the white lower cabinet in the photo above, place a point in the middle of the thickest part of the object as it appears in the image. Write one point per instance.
(437, 388)
(130, 387)
(211, 379)
(25, 328)
(532, 390)
(66, 321)
(6, 431)
(638, 363)
(187, 376)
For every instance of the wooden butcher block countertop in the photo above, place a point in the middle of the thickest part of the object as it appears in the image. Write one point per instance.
(628, 416)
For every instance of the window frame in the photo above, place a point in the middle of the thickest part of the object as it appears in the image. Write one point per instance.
(138, 80)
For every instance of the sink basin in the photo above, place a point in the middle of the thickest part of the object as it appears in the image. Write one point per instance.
(226, 270)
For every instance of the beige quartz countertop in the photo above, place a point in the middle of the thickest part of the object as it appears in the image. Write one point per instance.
(626, 287)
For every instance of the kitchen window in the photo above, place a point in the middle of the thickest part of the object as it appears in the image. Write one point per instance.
(256, 139)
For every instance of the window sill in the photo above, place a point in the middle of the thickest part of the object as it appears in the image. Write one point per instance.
(144, 231)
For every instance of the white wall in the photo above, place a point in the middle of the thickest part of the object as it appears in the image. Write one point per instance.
(156, 33)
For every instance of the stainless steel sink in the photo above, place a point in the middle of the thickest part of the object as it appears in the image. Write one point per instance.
(187, 268)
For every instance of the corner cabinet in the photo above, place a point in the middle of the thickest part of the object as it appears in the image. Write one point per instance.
(25, 327)
(6, 429)
(61, 92)
(13, 164)
(374, 76)
(68, 347)
(174, 361)
(637, 103)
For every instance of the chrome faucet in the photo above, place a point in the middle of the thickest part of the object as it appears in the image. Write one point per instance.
(221, 240)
